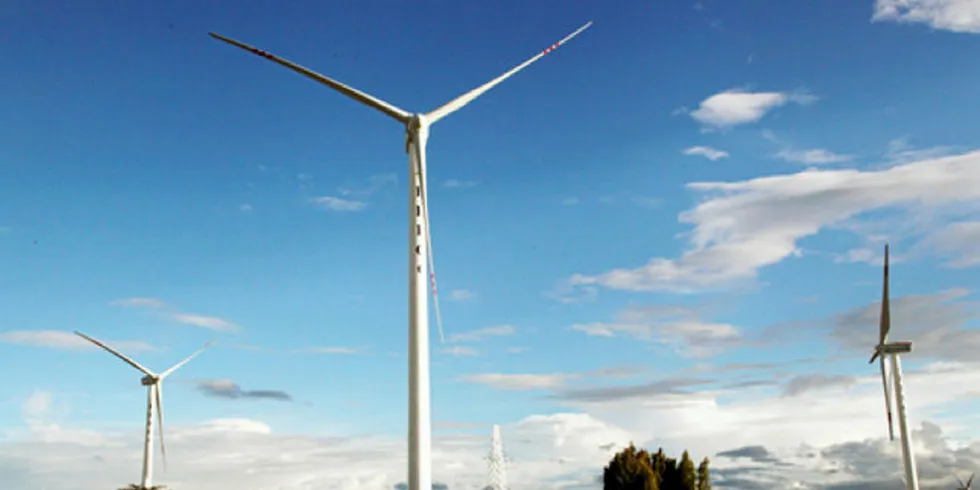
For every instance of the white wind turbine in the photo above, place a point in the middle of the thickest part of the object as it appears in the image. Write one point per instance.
(154, 399)
(965, 486)
(893, 350)
(419, 245)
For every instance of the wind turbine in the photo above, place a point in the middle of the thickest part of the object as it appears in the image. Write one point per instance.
(965, 486)
(893, 350)
(419, 245)
(154, 399)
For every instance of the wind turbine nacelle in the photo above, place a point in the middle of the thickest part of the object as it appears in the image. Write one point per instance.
(896, 348)
(148, 381)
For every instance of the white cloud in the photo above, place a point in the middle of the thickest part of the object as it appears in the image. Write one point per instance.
(461, 295)
(245, 208)
(899, 150)
(950, 15)
(750, 224)
(455, 183)
(569, 201)
(815, 156)
(962, 240)
(36, 405)
(460, 351)
(338, 204)
(139, 303)
(208, 322)
(737, 106)
(756, 437)
(482, 334)
(678, 328)
(707, 152)
(58, 339)
(519, 381)
(332, 350)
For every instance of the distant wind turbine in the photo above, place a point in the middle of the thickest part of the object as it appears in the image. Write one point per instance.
(154, 399)
(965, 486)
(419, 245)
(893, 350)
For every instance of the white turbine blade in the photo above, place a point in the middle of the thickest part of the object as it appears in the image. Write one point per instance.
(115, 353)
(185, 361)
(163, 447)
(462, 100)
(886, 322)
(366, 99)
(888, 399)
(960, 482)
(970, 481)
(432, 264)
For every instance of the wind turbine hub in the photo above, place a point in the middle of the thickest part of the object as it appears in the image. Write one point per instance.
(148, 380)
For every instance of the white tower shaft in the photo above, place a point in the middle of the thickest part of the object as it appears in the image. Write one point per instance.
(419, 417)
(147, 480)
(908, 456)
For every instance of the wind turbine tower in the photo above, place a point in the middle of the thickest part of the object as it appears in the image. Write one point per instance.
(893, 350)
(419, 243)
(497, 462)
(154, 400)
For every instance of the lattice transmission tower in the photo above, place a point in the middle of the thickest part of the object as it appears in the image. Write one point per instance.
(497, 462)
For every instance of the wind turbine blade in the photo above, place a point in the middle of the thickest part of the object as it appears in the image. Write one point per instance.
(888, 399)
(366, 99)
(960, 482)
(185, 361)
(432, 264)
(462, 100)
(969, 482)
(163, 447)
(115, 353)
(885, 322)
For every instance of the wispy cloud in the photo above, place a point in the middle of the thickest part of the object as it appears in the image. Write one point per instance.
(677, 327)
(355, 198)
(455, 183)
(58, 339)
(744, 226)
(332, 350)
(461, 295)
(208, 322)
(225, 388)
(338, 204)
(160, 306)
(482, 334)
(813, 156)
(569, 201)
(460, 351)
(707, 152)
(245, 208)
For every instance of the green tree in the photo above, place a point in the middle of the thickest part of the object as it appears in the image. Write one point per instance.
(704, 476)
(629, 470)
(687, 474)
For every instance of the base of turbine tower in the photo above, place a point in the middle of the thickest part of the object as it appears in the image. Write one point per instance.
(136, 486)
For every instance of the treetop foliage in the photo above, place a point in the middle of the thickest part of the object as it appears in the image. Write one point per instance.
(637, 469)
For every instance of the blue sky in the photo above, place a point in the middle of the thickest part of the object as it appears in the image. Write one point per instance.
(141, 159)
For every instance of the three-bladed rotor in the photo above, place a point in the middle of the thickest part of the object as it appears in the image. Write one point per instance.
(153, 382)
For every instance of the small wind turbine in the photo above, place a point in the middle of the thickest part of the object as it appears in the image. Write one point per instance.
(893, 350)
(154, 398)
(419, 245)
(965, 486)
